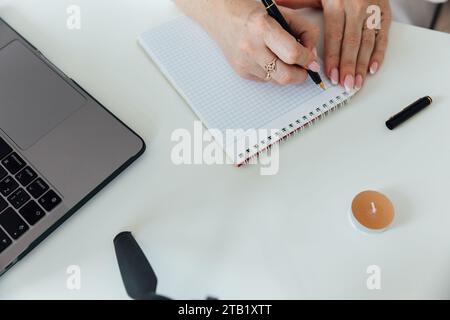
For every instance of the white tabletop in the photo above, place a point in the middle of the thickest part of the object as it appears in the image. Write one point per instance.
(232, 233)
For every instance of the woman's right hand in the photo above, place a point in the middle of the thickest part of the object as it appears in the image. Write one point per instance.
(251, 39)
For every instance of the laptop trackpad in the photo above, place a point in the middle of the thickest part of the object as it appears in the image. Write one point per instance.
(34, 99)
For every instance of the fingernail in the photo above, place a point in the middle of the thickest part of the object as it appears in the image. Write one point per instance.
(349, 83)
(359, 82)
(374, 68)
(334, 76)
(314, 66)
(315, 52)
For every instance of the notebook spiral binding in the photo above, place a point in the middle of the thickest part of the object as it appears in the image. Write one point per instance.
(296, 127)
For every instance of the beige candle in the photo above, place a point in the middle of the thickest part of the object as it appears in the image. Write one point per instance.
(372, 211)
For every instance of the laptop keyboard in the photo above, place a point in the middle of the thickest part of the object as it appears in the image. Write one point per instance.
(25, 198)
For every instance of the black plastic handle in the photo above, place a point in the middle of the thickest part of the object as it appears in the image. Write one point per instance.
(137, 274)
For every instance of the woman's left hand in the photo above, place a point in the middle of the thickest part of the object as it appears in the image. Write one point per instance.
(352, 46)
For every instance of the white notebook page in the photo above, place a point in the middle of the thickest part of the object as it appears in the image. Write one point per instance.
(222, 100)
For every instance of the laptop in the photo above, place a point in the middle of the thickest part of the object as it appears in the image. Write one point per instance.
(58, 147)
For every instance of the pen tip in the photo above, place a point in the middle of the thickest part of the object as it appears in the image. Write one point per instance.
(322, 85)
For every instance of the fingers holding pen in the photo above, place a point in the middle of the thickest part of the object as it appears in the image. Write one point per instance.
(287, 48)
(253, 40)
(250, 38)
(283, 74)
(277, 46)
(307, 32)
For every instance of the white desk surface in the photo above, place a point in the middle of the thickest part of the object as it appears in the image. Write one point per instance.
(231, 233)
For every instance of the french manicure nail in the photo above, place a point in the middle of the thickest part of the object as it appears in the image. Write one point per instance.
(334, 76)
(374, 68)
(349, 83)
(359, 82)
(314, 66)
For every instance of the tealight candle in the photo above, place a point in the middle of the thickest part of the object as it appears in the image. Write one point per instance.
(372, 211)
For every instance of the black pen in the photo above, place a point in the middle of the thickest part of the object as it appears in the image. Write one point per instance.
(275, 13)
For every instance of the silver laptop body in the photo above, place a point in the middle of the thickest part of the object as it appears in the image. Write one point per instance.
(58, 147)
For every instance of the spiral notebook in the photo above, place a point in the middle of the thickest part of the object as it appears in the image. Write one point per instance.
(244, 117)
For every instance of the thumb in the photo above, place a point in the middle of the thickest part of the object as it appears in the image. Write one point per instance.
(297, 4)
(306, 32)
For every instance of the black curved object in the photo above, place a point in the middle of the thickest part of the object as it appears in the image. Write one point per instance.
(137, 274)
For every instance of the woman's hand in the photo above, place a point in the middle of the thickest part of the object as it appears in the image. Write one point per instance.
(352, 49)
(251, 39)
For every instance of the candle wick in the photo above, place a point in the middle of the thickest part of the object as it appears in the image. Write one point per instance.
(374, 208)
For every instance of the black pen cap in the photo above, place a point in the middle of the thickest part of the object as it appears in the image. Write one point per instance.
(408, 112)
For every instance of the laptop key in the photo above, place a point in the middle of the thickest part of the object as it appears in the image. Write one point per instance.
(37, 188)
(26, 176)
(8, 185)
(13, 163)
(3, 204)
(50, 200)
(18, 198)
(3, 173)
(5, 241)
(5, 149)
(32, 213)
(14, 225)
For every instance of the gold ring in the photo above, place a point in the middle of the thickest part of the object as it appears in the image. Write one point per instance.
(270, 68)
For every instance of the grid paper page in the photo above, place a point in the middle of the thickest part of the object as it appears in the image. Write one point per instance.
(221, 99)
